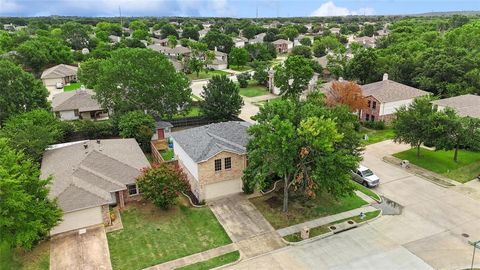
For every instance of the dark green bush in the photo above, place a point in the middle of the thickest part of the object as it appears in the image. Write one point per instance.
(378, 125)
(243, 79)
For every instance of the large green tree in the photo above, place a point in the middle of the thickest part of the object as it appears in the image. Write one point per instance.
(88, 72)
(20, 91)
(138, 125)
(238, 57)
(216, 39)
(76, 35)
(364, 67)
(27, 214)
(141, 79)
(40, 52)
(222, 100)
(293, 76)
(31, 132)
(310, 147)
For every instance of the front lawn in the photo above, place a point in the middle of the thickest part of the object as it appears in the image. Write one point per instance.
(206, 75)
(36, 259)
(366, 191)
(375, 136)
(152, 236)
(441, 162)
(301, 209)
(253, 90)
(213, 262)
(72, 86)
(240, 68)
(194, 111)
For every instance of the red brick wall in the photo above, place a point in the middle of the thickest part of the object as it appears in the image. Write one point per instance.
(370, 110)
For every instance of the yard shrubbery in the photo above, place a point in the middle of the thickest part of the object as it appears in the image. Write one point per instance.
(88, 129)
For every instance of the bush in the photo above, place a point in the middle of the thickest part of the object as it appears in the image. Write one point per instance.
(162, 184)
(243, 79)
(378, 125)
(138, 125)
(88, 129)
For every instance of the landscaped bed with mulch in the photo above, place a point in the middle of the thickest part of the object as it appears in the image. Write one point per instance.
(301, 209)
(153, 236)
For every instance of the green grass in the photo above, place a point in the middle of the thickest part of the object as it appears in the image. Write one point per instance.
(205, 75)
(301, 209)
(366, 191)
(72, 86)
(375, 136)
(36, 259)
(167, 154)
(213, 262)
(193, 112)
(253, 90)
(239, 68)
(441, 162)
(316, 231)
(152, 236)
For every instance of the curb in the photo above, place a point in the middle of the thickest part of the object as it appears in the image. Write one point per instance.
(240, 258)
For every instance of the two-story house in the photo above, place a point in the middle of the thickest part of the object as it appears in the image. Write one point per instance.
(385, 97)
(282, 45)
(213, 157)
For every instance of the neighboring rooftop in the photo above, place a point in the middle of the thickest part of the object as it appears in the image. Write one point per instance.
(204, 142)
(464, 105)
(59, 71)
(81, 100)
(86, 172)
(390, 91)
(281, 41)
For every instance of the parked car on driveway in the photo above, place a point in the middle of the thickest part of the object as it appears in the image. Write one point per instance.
(365, 176)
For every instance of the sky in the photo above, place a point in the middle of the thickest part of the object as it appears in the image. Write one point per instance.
(230, 8)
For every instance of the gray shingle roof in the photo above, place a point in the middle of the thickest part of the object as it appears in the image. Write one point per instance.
(389, 91)
(59, 71)
(85, 178)
(281, 41)
(81, 100)
(163, 124)
(464, 105)
(204, 142)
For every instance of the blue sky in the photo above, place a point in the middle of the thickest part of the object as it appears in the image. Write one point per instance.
(229, 8)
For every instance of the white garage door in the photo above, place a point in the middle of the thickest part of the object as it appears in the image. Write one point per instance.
(79, 219)
(223, 188)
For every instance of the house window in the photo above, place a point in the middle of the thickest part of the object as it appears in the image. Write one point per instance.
(374, 105)
(132, 190)
(373, 118)
(218, 165)
(75, 112)
(367, 117)
(369, 103)
(228, 163)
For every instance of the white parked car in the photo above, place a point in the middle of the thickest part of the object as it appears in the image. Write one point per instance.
(366, 177)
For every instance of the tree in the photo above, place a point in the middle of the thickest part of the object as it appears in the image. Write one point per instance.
(155, 86)
(243, 79)
(172, 41)
(320, 46)
(199, 58)
(364, 67)
(140, 34)
(290, 31)
(368, 30)
(293, 76)
(250, 31)
(138, 125)
(191, 33)
(31, 132)
(261, 74)
(261, 52)
(302, 50)
(238, 57)
(168, 30)
(452, 132)
(347, 93)
(295, 141)
(162, 184)
(20, 91)
(42, 51)
(306, 41)
(76, 35)
(216, 39)
(414, 124)
(88, 72)
(27, 212)
(222, 100)
(138, 25)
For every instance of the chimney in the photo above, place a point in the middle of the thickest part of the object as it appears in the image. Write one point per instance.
(98, 141)
(385, 76)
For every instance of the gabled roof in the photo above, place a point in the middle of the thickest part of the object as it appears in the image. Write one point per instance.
(85, 177)
(59, 71)
(204, 142)
(167, 50)
(389, 91)
(464, 105)
(81, 100)
(281, 41)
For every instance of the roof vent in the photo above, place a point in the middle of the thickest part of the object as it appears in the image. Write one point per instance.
(85, 146)
(385, 76)
(98, 141)
(340, 79)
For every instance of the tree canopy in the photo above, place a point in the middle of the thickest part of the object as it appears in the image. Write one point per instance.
(293, 76)
(222, 100)
(138, 125)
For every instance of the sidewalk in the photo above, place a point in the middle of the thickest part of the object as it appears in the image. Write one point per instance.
(324, 220)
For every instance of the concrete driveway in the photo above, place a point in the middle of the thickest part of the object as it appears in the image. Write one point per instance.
(88, 251)
(429, 234)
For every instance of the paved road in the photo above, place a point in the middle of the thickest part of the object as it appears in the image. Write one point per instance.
(427, 235)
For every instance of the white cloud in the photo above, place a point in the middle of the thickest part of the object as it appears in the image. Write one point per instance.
(330, 9)
(7, 6)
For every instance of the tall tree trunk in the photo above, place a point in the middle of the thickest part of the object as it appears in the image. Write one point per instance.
(418, 150)
(285, 194)
(455, 156)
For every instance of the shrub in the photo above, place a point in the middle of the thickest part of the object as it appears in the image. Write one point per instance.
(162, 184)
(378, 125)
(88, 129)
(138, 125)
(243, 79)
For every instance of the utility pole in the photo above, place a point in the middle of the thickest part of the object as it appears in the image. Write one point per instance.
(475, 245)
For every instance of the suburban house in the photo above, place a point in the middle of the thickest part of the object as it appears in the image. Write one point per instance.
(90, 176)
(335, 30)
(78, 104)
(276, 90)
(202, 33)
(114, 39)
(240, 42)
(464, 105)
(366, 42)
(385, 97)
(257, 38)
(162, 42)
(160, 140)
(213, 157)
(282, 45)
(220, 61)
(59, 74)
(178, 51)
